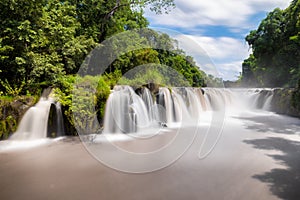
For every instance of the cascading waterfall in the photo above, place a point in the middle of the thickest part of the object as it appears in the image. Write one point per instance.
(165, 100)
(35, 122)
(185, 105)
(129, 112)
(194, 106)
(259, 98)
(125, 111)
(149, 102)
(268, 100)
(200, 96)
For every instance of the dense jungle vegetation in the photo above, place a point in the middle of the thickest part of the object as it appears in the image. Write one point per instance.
(275, 61)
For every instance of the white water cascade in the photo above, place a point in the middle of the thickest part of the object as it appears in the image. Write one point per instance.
(125, 111)
(35, 124)
(128, 112)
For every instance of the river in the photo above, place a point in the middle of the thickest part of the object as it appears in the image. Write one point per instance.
(248, 154)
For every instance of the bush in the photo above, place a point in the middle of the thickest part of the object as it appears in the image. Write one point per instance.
(151, 73)
(82, 99)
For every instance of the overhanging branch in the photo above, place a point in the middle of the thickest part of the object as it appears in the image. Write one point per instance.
(118, 6)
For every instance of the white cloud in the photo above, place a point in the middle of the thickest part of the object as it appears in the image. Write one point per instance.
(230, 71)
(233, 13)
(221, 56)
(222, 47)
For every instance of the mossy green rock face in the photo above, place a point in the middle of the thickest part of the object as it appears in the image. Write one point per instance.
(11, 112)
(286, 101)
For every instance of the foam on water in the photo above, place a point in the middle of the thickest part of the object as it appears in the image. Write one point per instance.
(18, 145)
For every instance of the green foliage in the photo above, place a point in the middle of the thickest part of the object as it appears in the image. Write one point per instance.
(212, 81)
(42, 40)
(184, 65)
(10, 90)
(58, 50)
(166, 53)
(151, 73)
(102, 93)
(101, 19)
(18, 31)
(276, 50)
(83, 100)
(7, 126)
(112, 78)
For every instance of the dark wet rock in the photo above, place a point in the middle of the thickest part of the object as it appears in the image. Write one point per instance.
(163, 125)
(153, 87)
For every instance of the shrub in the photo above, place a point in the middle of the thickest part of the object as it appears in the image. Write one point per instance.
(82, 99)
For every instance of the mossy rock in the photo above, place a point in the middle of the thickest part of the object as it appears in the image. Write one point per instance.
(12, 111)
(285, 101)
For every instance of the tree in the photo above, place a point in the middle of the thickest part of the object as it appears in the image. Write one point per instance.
(102, 18)
(164, 51)
(276, 51)
(43, 39)
(17, 32)
(57, 50)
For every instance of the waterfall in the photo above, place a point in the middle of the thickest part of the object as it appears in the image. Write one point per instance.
(165, 100)
(184, 104)
(148, 100)
(268, 100)
(128, 111)
(41, 121)
(34, 123)
(218, 99)
(261, 98)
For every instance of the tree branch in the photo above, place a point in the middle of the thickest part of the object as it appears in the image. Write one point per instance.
(117, 6)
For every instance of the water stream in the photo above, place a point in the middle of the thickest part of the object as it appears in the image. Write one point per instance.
(41, 121)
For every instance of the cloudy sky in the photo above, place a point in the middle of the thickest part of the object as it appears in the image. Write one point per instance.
(216, 27)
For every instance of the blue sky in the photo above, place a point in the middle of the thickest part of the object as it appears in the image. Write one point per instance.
(215, 30)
